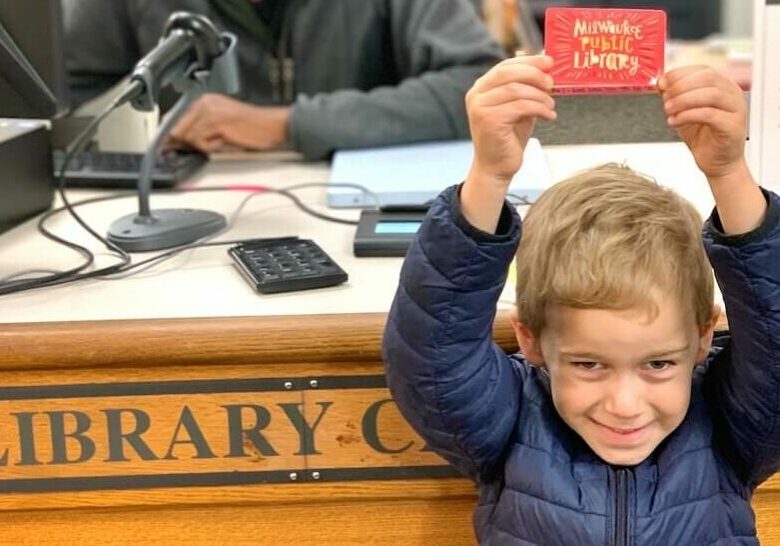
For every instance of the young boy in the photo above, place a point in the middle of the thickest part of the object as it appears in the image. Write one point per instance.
(617, 423)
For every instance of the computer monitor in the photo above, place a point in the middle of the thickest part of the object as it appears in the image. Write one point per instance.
(765, 95)
(33, 81)
(32, 85)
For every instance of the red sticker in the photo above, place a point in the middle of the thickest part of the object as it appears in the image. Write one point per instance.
(605, 50)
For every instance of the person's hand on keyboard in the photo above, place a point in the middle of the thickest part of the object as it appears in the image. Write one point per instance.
(214, 122)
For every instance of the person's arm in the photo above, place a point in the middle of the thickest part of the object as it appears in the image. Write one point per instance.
(451, 382)
(440, 48)
(742, 239)
(744, 379)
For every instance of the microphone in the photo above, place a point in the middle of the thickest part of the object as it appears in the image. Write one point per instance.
(190, 42)
(195, 57)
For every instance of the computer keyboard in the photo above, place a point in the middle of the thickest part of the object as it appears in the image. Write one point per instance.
(120, 170)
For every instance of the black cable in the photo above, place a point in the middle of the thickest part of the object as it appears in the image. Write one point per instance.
(152, 262)
(72, 275)
(75, 147)
(520, 199)
(78, 145)
(294, 198)
(170, 254)
(14, 286)
(284, 192)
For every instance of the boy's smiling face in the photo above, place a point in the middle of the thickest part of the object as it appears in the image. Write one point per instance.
(620, 379)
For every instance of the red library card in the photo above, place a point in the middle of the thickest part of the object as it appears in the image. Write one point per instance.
(605, 50)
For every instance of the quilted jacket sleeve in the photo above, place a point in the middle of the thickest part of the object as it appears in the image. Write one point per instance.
(451, 382)
(744, 378)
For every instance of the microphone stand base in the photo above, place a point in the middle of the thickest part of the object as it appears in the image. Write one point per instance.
(168, 228)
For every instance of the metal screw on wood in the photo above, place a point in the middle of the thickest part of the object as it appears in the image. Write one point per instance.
(288, 385)
(313, 383)
(293, 476)
(315, 475)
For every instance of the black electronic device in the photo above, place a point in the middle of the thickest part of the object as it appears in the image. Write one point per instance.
(120, 170)
(32, 85)
(286, 264)
(388, 231)
(33, 78)
(26, 183)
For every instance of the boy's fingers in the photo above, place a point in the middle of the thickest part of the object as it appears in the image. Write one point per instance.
(521, 110)
(673, 76)
(691, 80)
(701, 97)
(696, 79)
(506, 72)
(520, 73)
(512, 92)
(542, 62)
(703, 116)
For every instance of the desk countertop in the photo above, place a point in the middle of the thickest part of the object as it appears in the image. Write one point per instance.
(203, 283)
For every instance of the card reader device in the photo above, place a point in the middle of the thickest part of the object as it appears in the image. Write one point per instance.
(387, 231)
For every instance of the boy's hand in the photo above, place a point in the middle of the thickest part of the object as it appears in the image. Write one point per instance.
(710, 114)
(502, 107)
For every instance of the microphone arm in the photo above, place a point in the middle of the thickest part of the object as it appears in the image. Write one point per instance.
(197, 59)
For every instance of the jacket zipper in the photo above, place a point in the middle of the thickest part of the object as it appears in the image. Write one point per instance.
(621, 536)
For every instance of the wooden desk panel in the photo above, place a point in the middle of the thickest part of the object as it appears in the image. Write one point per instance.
(209, 355)
(767, 506)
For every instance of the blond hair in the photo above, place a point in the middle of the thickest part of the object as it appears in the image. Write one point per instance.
(610, 238)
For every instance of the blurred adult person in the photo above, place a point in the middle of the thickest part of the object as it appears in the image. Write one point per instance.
(317, 75)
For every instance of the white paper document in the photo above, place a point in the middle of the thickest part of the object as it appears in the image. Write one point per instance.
(415, 174)
(765, 95)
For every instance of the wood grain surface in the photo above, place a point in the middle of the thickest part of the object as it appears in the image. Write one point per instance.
(307, 512)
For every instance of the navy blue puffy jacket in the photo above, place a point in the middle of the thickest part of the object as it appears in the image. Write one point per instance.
(492, 416)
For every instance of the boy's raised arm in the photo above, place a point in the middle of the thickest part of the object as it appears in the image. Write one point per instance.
(502, 107)
(710, 115)
(451, 382)
(743, 243)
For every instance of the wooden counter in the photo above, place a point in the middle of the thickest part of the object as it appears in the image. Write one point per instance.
(211, 431)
